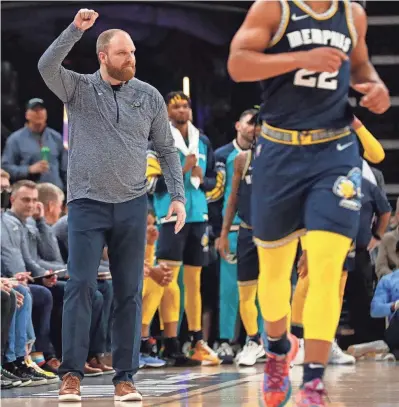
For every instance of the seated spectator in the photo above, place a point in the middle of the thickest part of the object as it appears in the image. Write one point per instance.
(5, 189)
(8, 307)
(26, 241)
(385, 304)
(51, 198)
(14, 360)
(388, 252)
(16, 259)
(36, 152)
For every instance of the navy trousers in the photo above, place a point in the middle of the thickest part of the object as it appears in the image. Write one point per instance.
(91, 226)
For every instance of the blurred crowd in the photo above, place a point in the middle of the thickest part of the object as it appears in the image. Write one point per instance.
(34, 255)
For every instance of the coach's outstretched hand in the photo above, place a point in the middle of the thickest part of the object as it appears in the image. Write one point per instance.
(177, 208)
(85, 19)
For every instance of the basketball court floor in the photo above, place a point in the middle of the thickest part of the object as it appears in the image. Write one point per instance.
(368, 384)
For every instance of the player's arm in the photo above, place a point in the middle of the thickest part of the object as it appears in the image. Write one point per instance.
(231, 209)
(247, 61)
(373, 150)
(209, 179)
(215, 198)
(364, 77)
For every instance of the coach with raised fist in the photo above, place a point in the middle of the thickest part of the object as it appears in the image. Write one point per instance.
(111, 117)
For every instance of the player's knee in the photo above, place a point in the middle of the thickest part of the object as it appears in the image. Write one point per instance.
(247, 293)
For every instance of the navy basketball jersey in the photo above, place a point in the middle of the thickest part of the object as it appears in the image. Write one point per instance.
(303, 99)
(245, 190)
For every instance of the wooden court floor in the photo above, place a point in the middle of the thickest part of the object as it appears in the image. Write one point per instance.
(368, 384)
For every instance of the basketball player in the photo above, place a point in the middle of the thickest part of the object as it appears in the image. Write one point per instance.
(239, 203)
(217, 199)
(307, 172)
(189, 248)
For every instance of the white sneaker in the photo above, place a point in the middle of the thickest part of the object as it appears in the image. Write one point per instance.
(300, 356)
(225, 353)
(251, 352)
(338, 357)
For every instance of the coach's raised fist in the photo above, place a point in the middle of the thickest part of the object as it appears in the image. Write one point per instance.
(85, 19)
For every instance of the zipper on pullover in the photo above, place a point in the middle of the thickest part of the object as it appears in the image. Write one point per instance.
(117, 106)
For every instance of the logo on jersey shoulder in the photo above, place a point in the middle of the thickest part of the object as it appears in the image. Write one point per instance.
(297, 18)
(309, 36)
(349, 189)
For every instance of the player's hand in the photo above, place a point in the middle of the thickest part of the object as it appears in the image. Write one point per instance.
(303, 265)
(373, 244)
(162, 274)
(147, 270)
(39, 168)
(376, 97)
(85, 19)
(197, 172)
(152, 235)
(323, 59)
(223, 246)
(217, 243)
(39, 211)
(191, 162)
(177, 208)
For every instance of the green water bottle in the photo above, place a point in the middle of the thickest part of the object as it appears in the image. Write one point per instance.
(45, 152)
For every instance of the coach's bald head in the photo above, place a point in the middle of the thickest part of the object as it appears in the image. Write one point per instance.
(115, 51)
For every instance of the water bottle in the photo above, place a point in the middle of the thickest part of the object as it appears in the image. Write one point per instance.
(45, 153)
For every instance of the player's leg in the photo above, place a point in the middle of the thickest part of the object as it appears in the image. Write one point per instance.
(195, 256)
(247, 276)
(228, 301)
(170, 251)
(152, 296)
(298, 303)
(277, 210)
(331, 218)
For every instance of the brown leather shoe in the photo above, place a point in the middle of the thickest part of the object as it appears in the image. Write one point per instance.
(97, 363)
(91, 371)
(126, 391)
(70, 388)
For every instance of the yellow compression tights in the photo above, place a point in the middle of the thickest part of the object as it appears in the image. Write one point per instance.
(170, 303)
(326, 253)
(299, 297)
(152, 296)
(192, 297)
(248, 309)
(274, 284)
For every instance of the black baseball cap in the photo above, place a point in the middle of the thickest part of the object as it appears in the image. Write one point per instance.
(34, 103)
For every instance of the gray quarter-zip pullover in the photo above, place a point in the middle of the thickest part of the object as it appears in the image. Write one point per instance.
(109, 130)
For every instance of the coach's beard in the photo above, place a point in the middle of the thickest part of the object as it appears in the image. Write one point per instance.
(125, 74)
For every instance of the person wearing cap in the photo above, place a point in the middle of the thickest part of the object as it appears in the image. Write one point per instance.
(35, 152)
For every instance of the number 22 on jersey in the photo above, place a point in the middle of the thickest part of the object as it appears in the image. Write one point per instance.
(320, 80)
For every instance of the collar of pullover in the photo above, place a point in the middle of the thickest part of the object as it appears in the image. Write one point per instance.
(106, 85)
